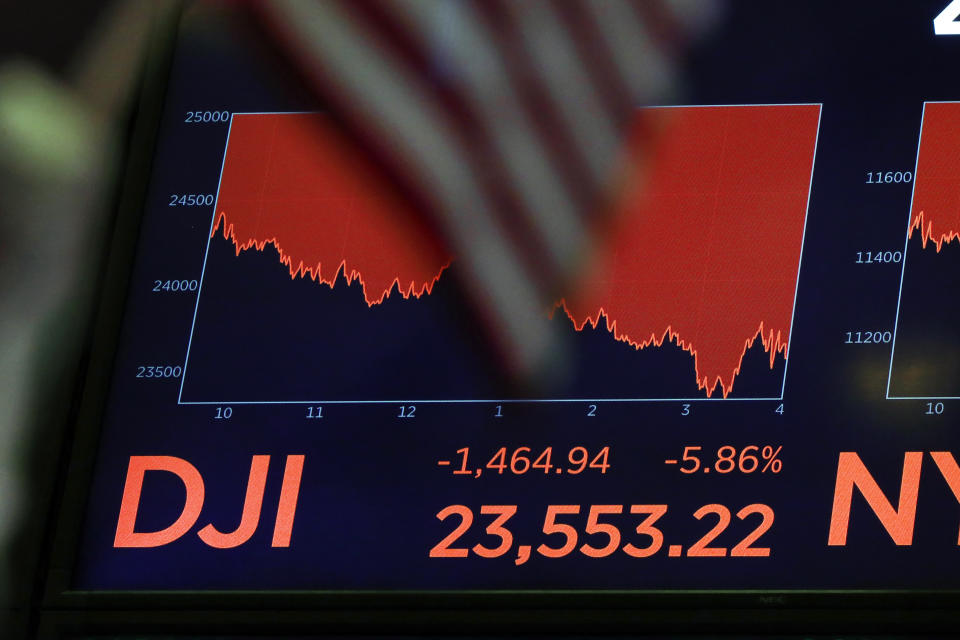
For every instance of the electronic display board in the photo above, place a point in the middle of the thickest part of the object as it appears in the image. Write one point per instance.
(762, 390)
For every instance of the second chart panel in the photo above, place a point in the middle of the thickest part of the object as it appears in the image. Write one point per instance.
(925, 362)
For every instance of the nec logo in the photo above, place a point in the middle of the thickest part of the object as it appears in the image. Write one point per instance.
(193, 481)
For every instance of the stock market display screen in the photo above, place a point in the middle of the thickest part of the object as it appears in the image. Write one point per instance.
(756, 382)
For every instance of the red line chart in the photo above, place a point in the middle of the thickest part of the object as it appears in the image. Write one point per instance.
(703, 249)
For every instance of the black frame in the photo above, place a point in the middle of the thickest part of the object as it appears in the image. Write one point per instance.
(65, 612)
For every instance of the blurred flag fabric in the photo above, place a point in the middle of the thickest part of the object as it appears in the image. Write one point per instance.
(506, 119)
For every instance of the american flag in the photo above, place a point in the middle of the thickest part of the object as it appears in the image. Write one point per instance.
(505, 119)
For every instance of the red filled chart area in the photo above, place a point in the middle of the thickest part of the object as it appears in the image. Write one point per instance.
(701, 253)
(707, 248)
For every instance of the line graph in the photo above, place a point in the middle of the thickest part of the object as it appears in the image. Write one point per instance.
(698, 272)
(925, 229)
(749, 163)
(373, 293)
(926, 342)
(321, 208)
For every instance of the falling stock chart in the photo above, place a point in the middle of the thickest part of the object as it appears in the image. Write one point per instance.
(320, 284)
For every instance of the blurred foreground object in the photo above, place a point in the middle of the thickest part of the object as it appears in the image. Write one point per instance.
(506, 119)
(59, 153)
